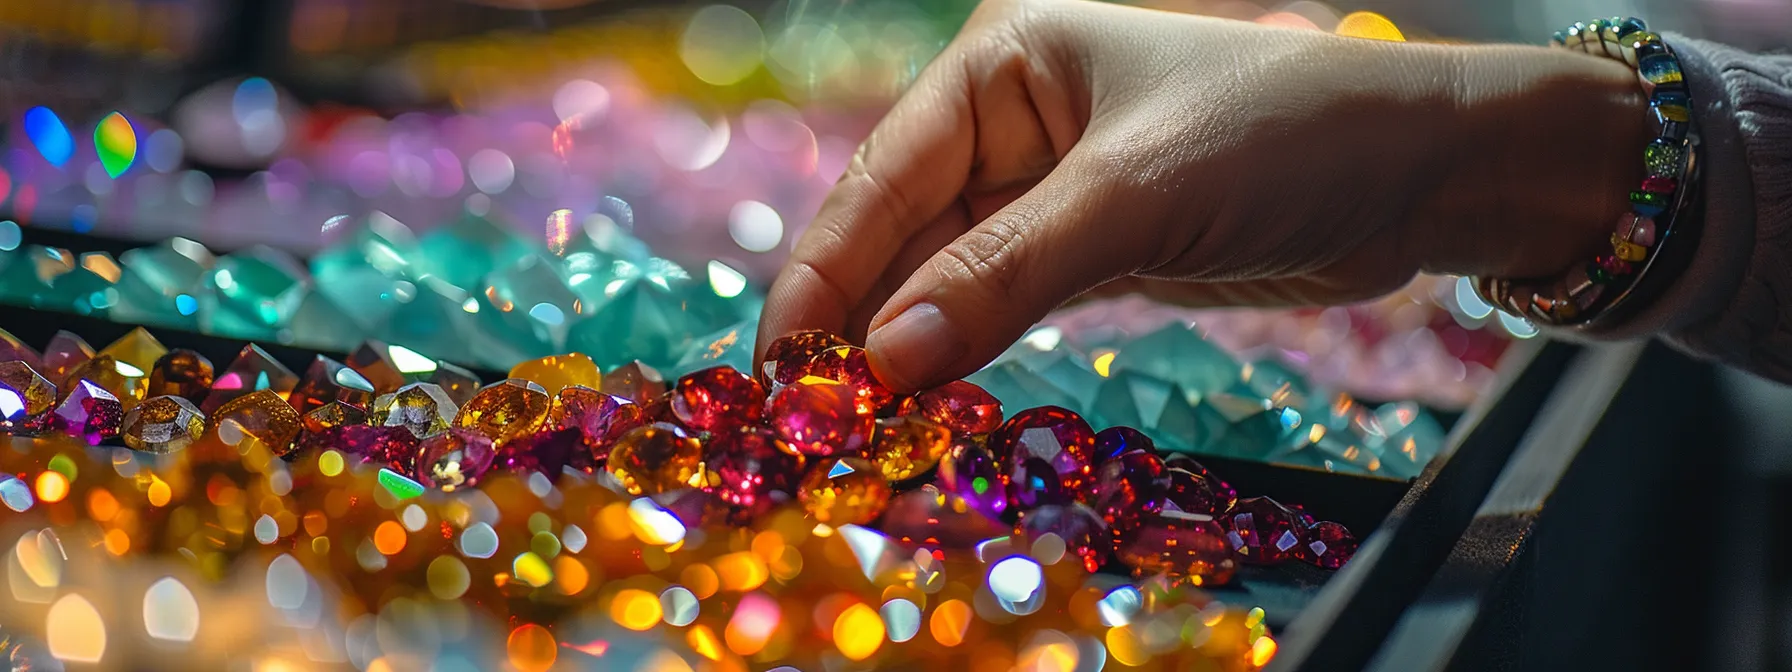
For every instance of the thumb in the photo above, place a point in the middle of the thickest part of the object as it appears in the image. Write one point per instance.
(979, 293)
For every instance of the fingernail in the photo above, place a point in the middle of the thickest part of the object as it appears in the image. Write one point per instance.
(913, 349)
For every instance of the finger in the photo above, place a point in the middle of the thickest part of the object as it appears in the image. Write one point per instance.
(951, 224)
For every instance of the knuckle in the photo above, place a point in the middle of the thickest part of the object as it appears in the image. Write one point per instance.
(988, 256)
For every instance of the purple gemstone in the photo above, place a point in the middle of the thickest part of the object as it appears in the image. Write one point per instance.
(546, 452)
(1128, 487)
(1264, 532)
(1190, 493)
(1034, 483)
(939, 522)
(1055, 436)
(1116, 441)
(747, 471)
(89, 412)
(394, 446)
(454, 459)
(972, 472)
(1080, 528)
(1329, 545)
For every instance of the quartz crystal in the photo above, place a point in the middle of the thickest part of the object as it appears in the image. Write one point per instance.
(253, 370)
(181, 373)
(844, 491)
(89, 412)
(162, 424)
(655, 458)
(420, 407)
(558, 371)
(526, 302)
(970, 471)
(453, 459)
(252, 293)
(505, 410)
(365, 270)
(788, 358)
(261, 414)
(468, 248)
(634, 381)
(961, 407)
(819, 418)
(748, 471)
(718, 399)
(158, 283)
(903, 448)
(1079, 529)
(731, 346)
(642, 319)
(328, 380)
(1179, 545)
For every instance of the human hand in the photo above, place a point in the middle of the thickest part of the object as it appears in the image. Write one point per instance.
(1059, 147)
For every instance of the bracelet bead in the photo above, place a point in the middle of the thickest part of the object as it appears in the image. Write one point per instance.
(1647, 204)
(1662, 158)
(1638, 229)
(1627, 250)
(1656, 184)
(1659, 69)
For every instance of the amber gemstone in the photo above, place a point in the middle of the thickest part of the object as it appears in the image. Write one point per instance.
(655, 458)
(88, 411)
(138, 349)
(420, 407)
(1050, 434)
(254, 369)
(634, 381)
(787, 359)
(819, 419)
(328, 380)
(1190, 493)
(260, 414)
(373, 360)
(747, 470)
(558, 371)
(1225, 495)
(25, 397)
(506, 410)
(181, 373)
(14, 350)
(844, 491)
(938, 521)
(395, 447)
(1329, 545)
(904, 448)
(454, 459)
(1127, 488)
(599, 418)
(548, 452)
(124, 381)
(1263, 531)
(1079, 528)
(962, 407)
(970, 471)
(459, 384)
(847, 365)
(65, 352)
(163, 424)
(718, 399)
(333, 415)
(1179, 545)
(1116, 441)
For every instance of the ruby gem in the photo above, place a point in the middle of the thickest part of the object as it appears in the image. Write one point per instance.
(1033, 483)
(1329, 545)
(454, 459)
(847, 365)
(1613, 265)
(787, 359)
(1116, 441)
(1191, 493)
(820, 419)
(1128, 487)
(937, 521)
(748, 471)
(1224, 492)
(1079, 527)
(1050, 434)
(961, 407)
(972, 472)
(1179, 545)
(718, 398)
(1263, 531)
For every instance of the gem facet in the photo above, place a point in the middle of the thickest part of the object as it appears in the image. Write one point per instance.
(558, 371)
(1662, 158)
(454, 459)
(820, 419)
(787, 359)
(962, 407)
(123, 380)
(261, 414)
(634, 381)
(1050, 434)
(599, 418)
(138, 349)
(1078, 527)
(254, 369)
(749, 472)
(1032, 482)
(1113, 442)
(972, 472)
(163, 424)
(904, 448)
(182, 373)
(1329, 545)
(718, 398)
(393, 447)
(1190, 493)
(1127, 488)
(847, 365)
(1180, 545)
(546, 452)
(420, 407)
(655, 458)
(1224, 492)
(25, 397)
(459, 384)
(88, 411)
(328, 380)
(844, 491)
(332, 416)
(505, 410)
(373, 360)
(1264, 532)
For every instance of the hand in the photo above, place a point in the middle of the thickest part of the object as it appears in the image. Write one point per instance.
(1058, 147)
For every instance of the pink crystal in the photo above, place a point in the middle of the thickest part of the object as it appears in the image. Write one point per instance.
(718, 398)
(820, 420)
(961, 407)
(1079, 527)
(394, 446)
(453, 459)
(747, 470)
(89, 411)
(1264, 532)
(599, 418)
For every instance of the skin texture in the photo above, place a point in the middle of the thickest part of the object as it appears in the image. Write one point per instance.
(1060, 149)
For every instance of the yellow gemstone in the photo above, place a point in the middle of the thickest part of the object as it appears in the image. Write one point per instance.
(163, 425)
(37, 393)
(904, 448)
(844, 491)
(508, 409)
(655, 458)
(559, 371)
(123, 380)
(422, 408)
(261, 414)
(138, 349)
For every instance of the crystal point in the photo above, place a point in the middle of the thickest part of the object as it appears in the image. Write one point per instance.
(163, 424)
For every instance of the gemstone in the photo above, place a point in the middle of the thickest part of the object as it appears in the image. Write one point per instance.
(527, 303)
(970, 471)
(655, 458)
(1113, 442)
(748, 471)
(453, 459)
(1179, 545)
(1056, 436)
(1018, 387)
(362, 270)
(844, 491)
(252, 293)
(328, 380)
(1659, 185)
(374, 361)
(392, 447)
(1263, 531)
(65, 352)
(1597, 274)
(1329, 545)
(158, 283)
(1648, 204)
(23, 394)
(1190, 493)
(422, 408)
(1179, 355)
(162, 424)
(643, 319)
(181, 373)
(819, 419)
(261, 414)
(1079, 528)
(547, 452)
(847, 365)
(27, 279)
(124, 381)
(634, 381)
(88, 411)
(787, 359)
(254, 369)
(1659, 69)
(1275, 381)
(599, 418)
(14, 350)
(333, 415)
(1064, 369)
(693, 507)
(467, 249)
(1224, 492)
(731, 346)
(718, 398)
(1127, 488)
(962, 407)
(1161, 409)
(903, 448)
(138, 349)
(938, 522)
(1033, 482)
(435, 320)
(558, 371)
(459, 384)
(505, 410)
(1639, 230)
(1406, 439)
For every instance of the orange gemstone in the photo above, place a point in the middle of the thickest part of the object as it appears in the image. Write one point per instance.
(253, 370)
(261, 414)
(634, 381)
(1179, 545)
(505, 410)
(656, 458)
(904, 448)
(558, 371)
(181, 373)
(328, 380)
(844, 490)
(787, 359)
(25, 397)
(124, 381)
(162, 424)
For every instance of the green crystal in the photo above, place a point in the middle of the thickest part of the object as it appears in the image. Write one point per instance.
(642, 317)
(160, 284)
(1407, 439)
(321, 324)
(1067, 371)
(252, 293)
(465, 251)
(731, 346)
(1258, 435)
(1159, 409)
(87, 289)
(368, 269)
(1018, 387)
(529, 304)
(25, 279)
(1179, 355)
(401, 487)
(436, 320)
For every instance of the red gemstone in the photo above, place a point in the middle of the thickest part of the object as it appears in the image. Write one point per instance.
(1056, 436)
(1081, 529)
(1128, 487)
(1224, 492)
(394, 446)
(1034, 483)
(747, 470)
(328, 380)
(88, 411)
(546, 452)
(1264, 532)
(820, 419)
(14, 350)
(718, 398)
(961, 407)
(941, 522)
(847, 365)
(970, 471)
(1179, 545)
(600, 419)
(1659, 185)
(787, 359)
(1116, 441)
(1191, 493)
(1329, 545)
(453, 459)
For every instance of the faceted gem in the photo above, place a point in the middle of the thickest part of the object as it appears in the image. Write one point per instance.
(1179, 545)
(14, 350)
(655, 458)
(929, 519)
(819, 419)
(847, 365)
(1032, 482)
(333, 415)
(253, 370)
(558, 371)
(467, 249)
(749, 472)
(328, 380)
(643, 319)
(1113, 442)
(731, 346)
(252, 293)
(962, 407)
(787, 359)
(1179, 355)
(547, 452)
(718, 399)
(163, 424)
(160, 282)
(381, 446)
(1189, 493)
(1329, 545)
(138, 349)
(1079, 528)
(1264, 532)
(903, 448)
(459, 384)
(1128, 487)
(528, 303)
(1406, 439)
(1226, 494)
(362, 269)
(23, 393)
(261, 414)
(374, 361)
(1053, 435)
(634, 381)
(599, 418)
(454, 459)
(124, 381)
(844, 491)
(88, 411)
(505, 410)
(422, 408)
(181, 373)
(65, 352)
(970, 471)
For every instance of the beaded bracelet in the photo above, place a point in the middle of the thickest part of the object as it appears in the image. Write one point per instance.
(1586, 292)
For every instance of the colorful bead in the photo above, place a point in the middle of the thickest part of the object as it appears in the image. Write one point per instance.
(1051, 434)
(1614, 266)
(1659, 69)
(1627, 250)
(1113, 442)
(1329, 545)
(90, 412)
(1638, 229)
(1662, 158)
(1659, 185)
(1647, 204)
